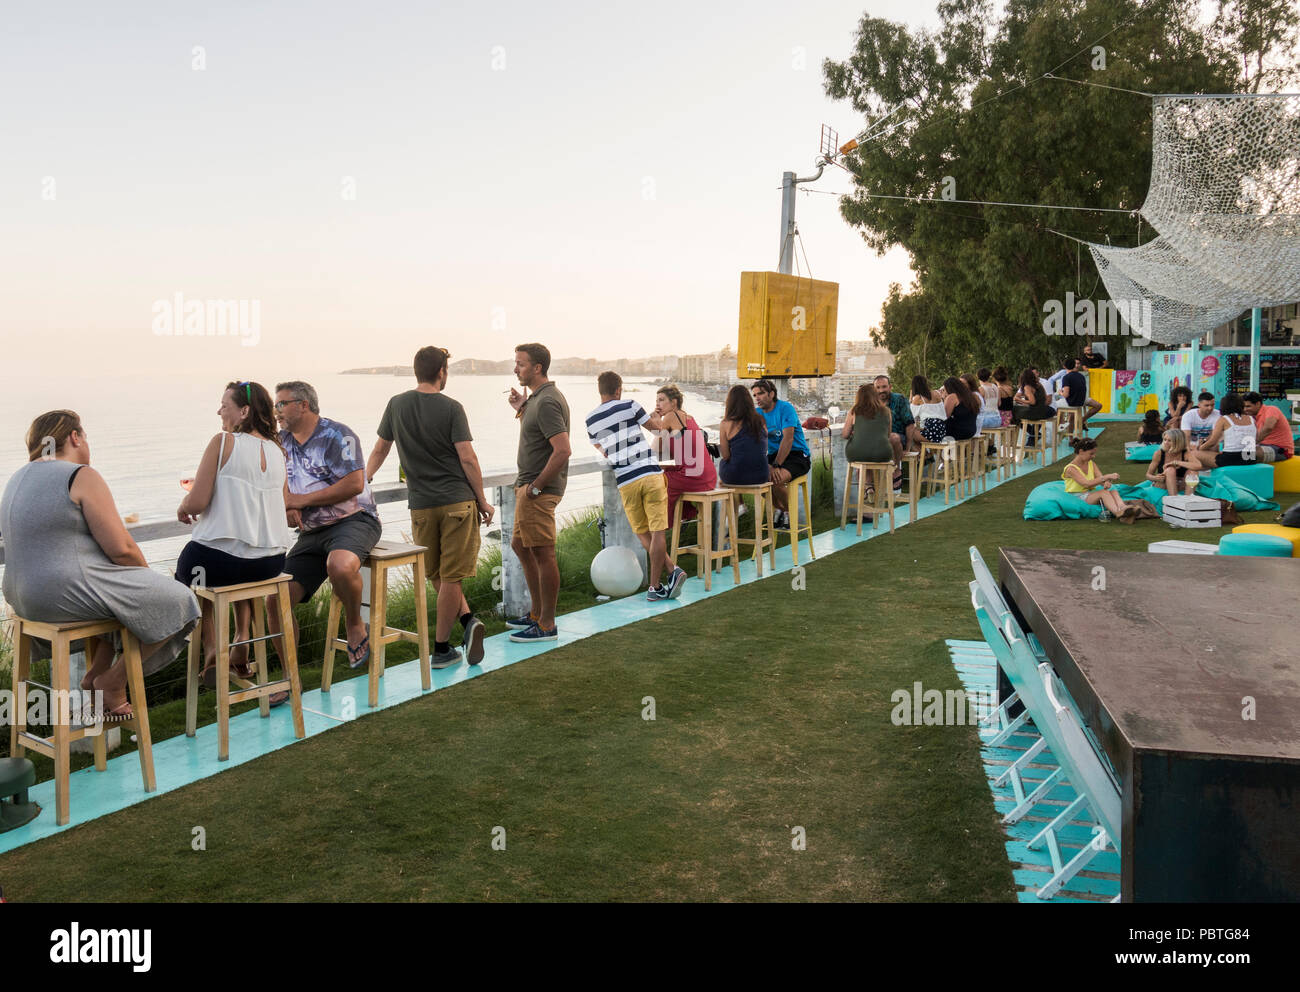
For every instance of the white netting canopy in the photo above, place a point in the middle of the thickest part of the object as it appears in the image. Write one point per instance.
(1225, 201)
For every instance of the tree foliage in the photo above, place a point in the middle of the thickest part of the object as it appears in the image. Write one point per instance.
(962, 111)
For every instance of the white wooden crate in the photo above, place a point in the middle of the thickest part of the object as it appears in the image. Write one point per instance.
(1182, 548)
(1191, 511)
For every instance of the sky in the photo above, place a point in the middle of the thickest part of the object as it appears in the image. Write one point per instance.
(375, 178)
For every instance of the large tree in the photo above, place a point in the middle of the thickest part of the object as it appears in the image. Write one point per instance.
(962, 112)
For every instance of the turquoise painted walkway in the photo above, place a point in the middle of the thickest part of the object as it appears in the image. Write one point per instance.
(180, 760)
(1099, 882)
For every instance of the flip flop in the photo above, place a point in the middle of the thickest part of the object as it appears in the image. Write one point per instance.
(119, 714)
(278, 698)
(360, 654)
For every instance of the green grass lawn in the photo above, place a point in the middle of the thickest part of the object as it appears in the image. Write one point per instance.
(772, 712)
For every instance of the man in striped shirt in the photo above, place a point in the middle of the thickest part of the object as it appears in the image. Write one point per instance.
(615, 429)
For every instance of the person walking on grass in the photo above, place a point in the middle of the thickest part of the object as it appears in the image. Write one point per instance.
(543, 472)
(614, 428)
(445, 495)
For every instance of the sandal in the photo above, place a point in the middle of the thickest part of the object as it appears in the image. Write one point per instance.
(359, 655)
(118, 714)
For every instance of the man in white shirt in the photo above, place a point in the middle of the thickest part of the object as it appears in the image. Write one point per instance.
(1053, 384)
(1198, 423)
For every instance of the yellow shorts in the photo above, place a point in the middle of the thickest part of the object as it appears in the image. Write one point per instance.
(451, 535)
(535, 518)
(645, 501)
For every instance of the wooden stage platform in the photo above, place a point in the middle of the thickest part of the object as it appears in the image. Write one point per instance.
(1187, 671)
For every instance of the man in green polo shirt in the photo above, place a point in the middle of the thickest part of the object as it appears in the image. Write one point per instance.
(543, 472)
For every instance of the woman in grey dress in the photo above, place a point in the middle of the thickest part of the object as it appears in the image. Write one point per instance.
(68, 556)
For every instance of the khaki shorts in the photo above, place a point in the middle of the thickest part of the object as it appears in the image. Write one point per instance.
(646, 503)
(451, 535)
(535, 518)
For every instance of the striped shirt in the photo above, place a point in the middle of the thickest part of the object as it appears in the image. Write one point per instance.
(616, 427)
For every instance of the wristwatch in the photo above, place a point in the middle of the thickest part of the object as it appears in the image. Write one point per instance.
(534, 490)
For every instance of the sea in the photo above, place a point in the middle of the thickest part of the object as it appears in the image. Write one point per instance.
(148, 431)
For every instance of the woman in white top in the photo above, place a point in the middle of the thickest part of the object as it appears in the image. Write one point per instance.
(928, 410)
(237, 506)
(989, 395)
(1235, 430)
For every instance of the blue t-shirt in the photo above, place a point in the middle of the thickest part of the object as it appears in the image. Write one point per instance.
(783, 415)
(332, 453)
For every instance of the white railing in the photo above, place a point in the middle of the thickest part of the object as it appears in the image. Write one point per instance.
(514, 591)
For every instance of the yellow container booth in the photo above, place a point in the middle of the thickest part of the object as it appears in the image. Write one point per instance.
(787, 326)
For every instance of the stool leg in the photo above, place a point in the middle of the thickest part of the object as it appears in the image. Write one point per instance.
(378, 627)
(844, 503)
(862, 496)
(704, 537)
(59, 678)
(677, 535)
(139, 708)
(291, 659)
(735, 553)
(913, 470)
(331, 632)
(101, 749)
(422, 624)
(258, 628)
(192, 666)
(221, 620)
(808, 510)
(760, 505)
(792, 512)
(771, 529)
(22, 669)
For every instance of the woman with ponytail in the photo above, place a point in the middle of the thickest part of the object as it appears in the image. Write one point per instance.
(1082, 478)
(237, 507)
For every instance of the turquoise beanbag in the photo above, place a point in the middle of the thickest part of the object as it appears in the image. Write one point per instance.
(1257, 478)
(1141, 452)
(1255, 545)
(1050, 501)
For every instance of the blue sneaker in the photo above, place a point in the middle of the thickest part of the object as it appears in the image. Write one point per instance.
(535, 633)
(522, 623)
(675, 582)
(656, 594)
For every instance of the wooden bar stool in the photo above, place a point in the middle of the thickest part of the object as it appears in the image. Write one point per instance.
(951, 481)
(797, 487)
(223, 600)
(1039, 448)
(383, 557)
(1069, 422)
(913, 459)
(966, 466)
(1003, 457)
(764, 528)
(705, 556)
(61, 637)
(882, 479)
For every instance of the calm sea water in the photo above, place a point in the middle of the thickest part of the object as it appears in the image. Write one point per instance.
(147, 432)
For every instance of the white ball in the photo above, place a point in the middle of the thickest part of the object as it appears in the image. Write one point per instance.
(616, 572)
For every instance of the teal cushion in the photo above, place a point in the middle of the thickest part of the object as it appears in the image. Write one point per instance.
(1257, 478)
(1141, 452)
(1255, 545)
(1050, 501)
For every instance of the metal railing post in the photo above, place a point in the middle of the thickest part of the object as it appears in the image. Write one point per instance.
(515, 600)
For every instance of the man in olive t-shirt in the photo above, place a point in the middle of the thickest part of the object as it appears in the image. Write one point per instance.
(543, 472)
(445, 495)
